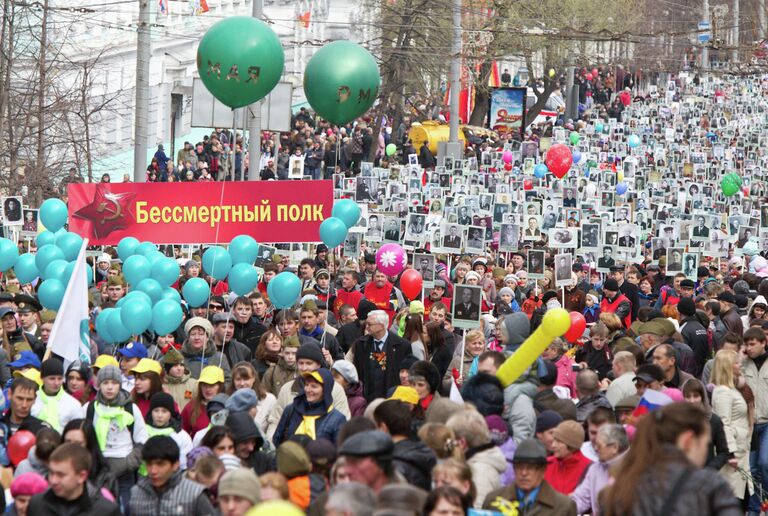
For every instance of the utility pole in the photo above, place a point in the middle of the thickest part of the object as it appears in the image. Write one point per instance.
(141, 116)
(254, 125)
(455, 72)
(735, 31)
(705, 47)
(42, 79)
(571, 104)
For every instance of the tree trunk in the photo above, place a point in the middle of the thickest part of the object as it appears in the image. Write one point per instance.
(541, 101)
(40, 159)
(482, 94)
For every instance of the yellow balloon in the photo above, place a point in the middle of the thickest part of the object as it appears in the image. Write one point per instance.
(620, 175)
(551, 72)
(275, 507)
(554, 324)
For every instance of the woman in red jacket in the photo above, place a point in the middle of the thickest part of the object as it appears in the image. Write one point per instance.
(566, 465)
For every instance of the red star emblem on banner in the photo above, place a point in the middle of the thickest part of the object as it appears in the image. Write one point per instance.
(108, 212)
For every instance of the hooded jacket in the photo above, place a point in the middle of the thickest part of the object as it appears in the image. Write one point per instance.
(487, 463)
(517, 327)
(182, 389)
(195, 360)
(328, 421)
(278, 375)
(357, 403)
(695, 335)
(415, 460)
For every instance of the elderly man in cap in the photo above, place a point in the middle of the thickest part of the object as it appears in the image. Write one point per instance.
(729, 314)
(661, 330)
(533, 494)
(615, 302)
(369, 459)
(436, 295)
(648, 376)
(28, 308)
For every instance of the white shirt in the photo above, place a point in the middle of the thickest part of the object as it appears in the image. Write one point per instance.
(68, 407)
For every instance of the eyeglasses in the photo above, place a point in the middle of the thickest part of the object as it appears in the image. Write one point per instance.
(215, 307)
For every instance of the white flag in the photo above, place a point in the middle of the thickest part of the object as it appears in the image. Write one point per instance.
(455, 395)
(70, 333)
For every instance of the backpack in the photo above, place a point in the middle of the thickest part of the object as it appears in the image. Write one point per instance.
(90, 412)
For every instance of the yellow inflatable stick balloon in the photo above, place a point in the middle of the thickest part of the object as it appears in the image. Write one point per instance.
(555, 323)
(273, 507)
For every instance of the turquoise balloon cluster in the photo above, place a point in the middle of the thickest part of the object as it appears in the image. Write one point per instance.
(333, 230)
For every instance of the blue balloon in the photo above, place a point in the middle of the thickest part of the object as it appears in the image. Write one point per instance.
(166, 316)
(138, 295)
(57, 269)
(46, 255)
(51, 293)
(243, 249)
(136, 315)
(154, 257)
(196, 292)
(540, 171)
(116, 328)
(45, 238)
(333, 231)
(348, 211)
(243, 278)
(70, 244)
(25, 268)
(102, 324)
(53, 214)
(69, 269)
(284, 289)
(165, 271)
(145, 248)
(136, 268)
(151, 288)
(127, 247)
(172, 294)
(217, 262)
(9, 253)
(633, 141)
(576, 156)
(621, 188)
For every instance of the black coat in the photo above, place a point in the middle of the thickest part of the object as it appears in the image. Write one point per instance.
(48, 504)
(695, 335)
(348, 334)
(249, 333)
(396, 348)
(631, 292)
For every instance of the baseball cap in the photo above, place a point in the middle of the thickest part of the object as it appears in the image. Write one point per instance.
(133, 350)
(146, 365)
(26, 359)
(105, 360)
(211, 375)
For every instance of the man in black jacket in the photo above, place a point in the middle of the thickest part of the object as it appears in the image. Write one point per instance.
(223, 331)
(629, 290)
(248, 442)
(247, 329)
(694, 333)
(68, 469)
(349, 332)
(377, 355)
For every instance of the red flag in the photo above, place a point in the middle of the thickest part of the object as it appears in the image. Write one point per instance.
(304, 18)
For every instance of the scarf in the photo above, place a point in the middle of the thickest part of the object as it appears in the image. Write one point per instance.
(591, 310)
(108, 411)
(316, 334)
(473, 367)
(50, 411)
(151, 432)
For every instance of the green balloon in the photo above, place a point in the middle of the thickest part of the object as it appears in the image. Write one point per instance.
(575, 138)
(729, 186)
(341, 81)
(391, 149)
(240, 59)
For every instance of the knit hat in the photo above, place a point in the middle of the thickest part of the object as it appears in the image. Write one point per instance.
(472, 274)
(195, 454)
(241, 482)
(109, 372)
(347, 370)
(407, 362)
(428, 371)
(686, 306)
(202, 322)
(82, 369)
(506, 291)
(570, 433)
(498, 429)
(485, 392)
(611, 284)
(52, 367)
(517, 327)
(511, 277)
(28, 484)
(310, 352)
(547, 420)
(231, 462)
(163, 400)
(242, 400)
(293, 460)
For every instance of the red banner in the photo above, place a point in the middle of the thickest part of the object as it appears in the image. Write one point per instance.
(194, 213)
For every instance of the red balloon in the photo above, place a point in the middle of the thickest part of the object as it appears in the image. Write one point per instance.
(411, 283)
(559, 160)
(578, 325)
(594, 72)
(19, 445)
(507, 166)
(589, 76)
(527, 184)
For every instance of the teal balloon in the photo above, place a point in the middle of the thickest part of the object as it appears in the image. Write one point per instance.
(166, 316)
(151, 288)
(540, 170)
(196, 292)
(102, 324)
(598, 127)
(217, 262)
(116, 328)
(46, 255)
(333, 231)
(243, 278)
(341, 81)
(348, 211)
(53, 214)
(145, 248)
(57, 269)
(633, 140)
(240, 60)
(136, 316)
(127, 247)
(51, 293)
(284, 289)
(243, 249)
(9, 253)
(172, 294)
(25, 268)
(165, 271)
(69, 269)
(70, 244)
(138, 295)
(136, 268)
(45, 238)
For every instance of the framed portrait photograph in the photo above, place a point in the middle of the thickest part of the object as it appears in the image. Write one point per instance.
(467, 301)
(425, 265)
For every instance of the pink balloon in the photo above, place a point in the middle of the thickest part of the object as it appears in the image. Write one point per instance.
(589, 76)
(507, 157)
(391, 259)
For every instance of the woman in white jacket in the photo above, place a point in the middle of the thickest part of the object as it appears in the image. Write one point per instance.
(729, 404)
